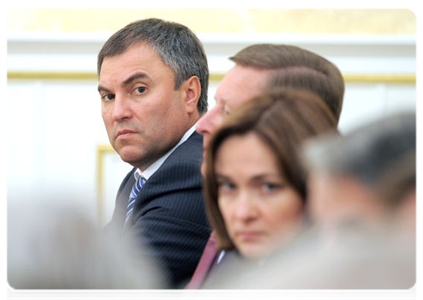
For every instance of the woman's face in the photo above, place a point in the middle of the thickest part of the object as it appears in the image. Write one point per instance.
(260, 209)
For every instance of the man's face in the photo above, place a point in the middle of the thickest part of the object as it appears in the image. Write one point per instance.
(238, 86)
(336, 199)
(143, 113)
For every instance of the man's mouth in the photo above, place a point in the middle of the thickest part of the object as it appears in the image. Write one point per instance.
(124, 132)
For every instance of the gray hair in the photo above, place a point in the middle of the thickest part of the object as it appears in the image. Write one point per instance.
(380, 154)
(176, 44)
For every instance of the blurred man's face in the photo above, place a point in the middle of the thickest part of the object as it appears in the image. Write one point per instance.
(238, 86)
(337, 200)
(406, 214)
(325, 198)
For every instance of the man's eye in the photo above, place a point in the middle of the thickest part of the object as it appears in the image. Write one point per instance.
(108, 97)
(225, 111)
(140, 90)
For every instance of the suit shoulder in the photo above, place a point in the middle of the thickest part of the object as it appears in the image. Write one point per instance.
(182, 169)
(190, 150)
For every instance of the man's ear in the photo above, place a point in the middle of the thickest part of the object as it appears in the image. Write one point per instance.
(192, 89)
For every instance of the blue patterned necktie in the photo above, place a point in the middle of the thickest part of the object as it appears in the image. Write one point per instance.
(133, 196)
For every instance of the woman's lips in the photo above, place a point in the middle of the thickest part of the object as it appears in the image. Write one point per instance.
(249, 235)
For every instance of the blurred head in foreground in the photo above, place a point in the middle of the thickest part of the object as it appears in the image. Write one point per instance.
(255, 183)
(367, 176)
(368, 270)
(61, 248)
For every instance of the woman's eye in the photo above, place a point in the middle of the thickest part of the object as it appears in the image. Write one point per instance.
(269, 187)
(226, 186)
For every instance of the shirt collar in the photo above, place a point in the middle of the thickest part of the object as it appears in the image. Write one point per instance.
(157, 164)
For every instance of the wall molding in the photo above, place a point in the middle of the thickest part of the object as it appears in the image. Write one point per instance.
(215, 77)
(102, 150)
(68, 53)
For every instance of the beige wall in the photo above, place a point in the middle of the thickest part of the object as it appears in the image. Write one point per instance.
(296, 21)
(51, 64)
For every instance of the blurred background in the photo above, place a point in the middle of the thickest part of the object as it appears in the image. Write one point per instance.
(57, 146)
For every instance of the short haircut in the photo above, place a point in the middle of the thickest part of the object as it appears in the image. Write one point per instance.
(380, 154)
(282, 119)
(297, 68)
(176, 44)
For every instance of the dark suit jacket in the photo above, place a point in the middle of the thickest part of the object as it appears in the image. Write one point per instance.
(169, 222)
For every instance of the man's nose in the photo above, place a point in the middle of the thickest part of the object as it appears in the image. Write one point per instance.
(209, 122)
(122, 108)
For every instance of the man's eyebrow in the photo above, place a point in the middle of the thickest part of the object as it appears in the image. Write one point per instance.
(103, 89)
(126, 82)
(135, 77)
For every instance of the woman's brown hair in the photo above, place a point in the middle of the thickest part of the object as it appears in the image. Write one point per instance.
(282, 119)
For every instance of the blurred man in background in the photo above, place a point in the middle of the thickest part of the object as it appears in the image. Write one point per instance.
(259, 68)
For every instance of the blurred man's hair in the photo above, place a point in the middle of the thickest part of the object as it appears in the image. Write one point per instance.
(297, 68)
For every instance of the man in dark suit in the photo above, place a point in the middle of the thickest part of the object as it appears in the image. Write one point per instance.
(153, 80)
(258, 68)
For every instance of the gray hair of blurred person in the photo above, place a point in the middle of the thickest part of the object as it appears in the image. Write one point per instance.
(62, 248)
(176, 44)
(297, 68)
(381, 155)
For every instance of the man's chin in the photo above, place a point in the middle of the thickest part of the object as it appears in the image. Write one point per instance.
(128, 156)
